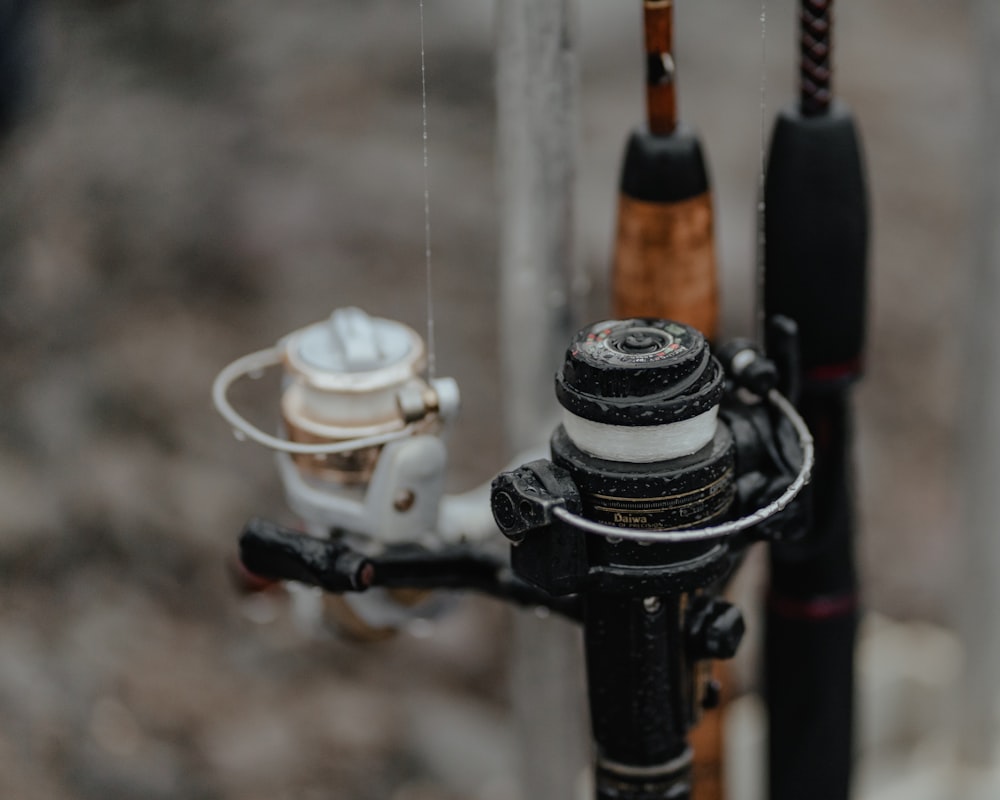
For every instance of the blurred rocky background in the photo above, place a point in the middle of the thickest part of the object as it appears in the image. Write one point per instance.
(188, 181)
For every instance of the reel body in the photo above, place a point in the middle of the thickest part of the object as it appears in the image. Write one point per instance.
(360, 451)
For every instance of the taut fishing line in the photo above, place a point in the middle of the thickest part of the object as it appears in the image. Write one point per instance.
(427, 203)
(761, 202)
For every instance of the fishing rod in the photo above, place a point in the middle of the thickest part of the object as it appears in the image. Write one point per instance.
(664, 261)
(816, 248)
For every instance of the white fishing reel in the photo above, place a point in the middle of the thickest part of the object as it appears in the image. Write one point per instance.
(360, 449)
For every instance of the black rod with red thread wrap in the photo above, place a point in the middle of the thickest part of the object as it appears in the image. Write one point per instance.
(816, 252)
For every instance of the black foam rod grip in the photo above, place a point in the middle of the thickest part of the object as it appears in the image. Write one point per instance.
(816, 228)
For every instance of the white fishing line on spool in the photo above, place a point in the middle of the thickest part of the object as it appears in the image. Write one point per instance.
(643, 444)
(725, 529)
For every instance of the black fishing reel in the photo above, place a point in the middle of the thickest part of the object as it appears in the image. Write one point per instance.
(668, 462)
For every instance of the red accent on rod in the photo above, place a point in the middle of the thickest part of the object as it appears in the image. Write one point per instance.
(813, 609)
(835, 372)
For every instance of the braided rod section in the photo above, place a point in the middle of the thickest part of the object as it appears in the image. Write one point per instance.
(815, 68)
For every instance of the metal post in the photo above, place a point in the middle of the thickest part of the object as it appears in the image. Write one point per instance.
(537, 111)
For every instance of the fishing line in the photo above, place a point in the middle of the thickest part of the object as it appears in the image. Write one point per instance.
(427, 204)
(761, 202)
